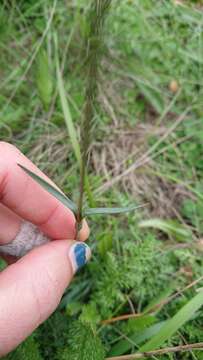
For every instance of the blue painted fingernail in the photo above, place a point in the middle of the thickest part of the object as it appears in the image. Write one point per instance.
(79, 254)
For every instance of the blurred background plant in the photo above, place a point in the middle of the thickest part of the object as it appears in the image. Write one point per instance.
(147, 147)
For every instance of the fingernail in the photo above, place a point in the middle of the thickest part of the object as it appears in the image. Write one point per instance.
(79, 254)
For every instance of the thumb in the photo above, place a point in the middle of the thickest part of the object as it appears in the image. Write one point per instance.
(31, 289)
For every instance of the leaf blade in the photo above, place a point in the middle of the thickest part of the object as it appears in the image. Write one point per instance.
(67, 114)
(176, 322)
(125, 345)
(51, 189)
(44, 80)
(111, 211)
(170, 227)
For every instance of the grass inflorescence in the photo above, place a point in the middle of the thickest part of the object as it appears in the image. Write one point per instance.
(93, 44)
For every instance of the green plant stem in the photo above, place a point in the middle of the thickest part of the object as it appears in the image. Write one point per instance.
(88, 118)
(181, 348)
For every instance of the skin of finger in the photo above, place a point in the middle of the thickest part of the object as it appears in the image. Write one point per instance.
(28, 199)
(84, 232)
(9, 225)
(30, 290)
(9, 259)
(83, 236)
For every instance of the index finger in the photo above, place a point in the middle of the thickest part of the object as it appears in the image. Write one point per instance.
(28, 199)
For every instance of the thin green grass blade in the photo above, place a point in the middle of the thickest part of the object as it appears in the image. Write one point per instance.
(67, 114)
(44, 79)
(170, 227)
(111, 211)
(175, 323)
(51, 189)
(125, 345)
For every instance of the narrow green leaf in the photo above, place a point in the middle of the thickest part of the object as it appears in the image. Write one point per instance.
(175, 323)
(153, 96)
(111, 211)
(67, 114)
(125, 345)
(170, 227)
(51, 189)
(105, 243)
(44, 78)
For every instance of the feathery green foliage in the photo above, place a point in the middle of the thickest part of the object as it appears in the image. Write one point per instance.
(140, 263)
(28, 350)
(53, 336)
(83, 343)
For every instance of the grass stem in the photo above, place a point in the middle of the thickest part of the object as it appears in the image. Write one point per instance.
(174, 349)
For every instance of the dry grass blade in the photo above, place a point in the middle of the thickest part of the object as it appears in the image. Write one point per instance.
(167, 350)
(146, 157)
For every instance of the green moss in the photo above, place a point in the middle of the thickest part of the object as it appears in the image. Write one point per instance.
(28, 350)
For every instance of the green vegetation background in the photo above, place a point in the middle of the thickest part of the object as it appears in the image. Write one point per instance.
(151, 78)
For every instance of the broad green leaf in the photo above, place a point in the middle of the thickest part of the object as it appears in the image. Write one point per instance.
(170, 227)
(67, 114)
(175, 323)
(51, 189)
(44, 78)
(111, 211)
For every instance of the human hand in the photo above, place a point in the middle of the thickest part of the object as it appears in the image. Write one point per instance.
(31, 287)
